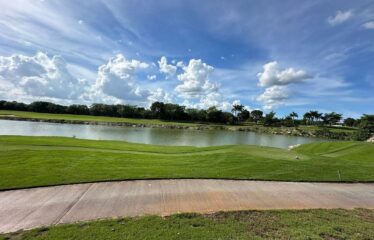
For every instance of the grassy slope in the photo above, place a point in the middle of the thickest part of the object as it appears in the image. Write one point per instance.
(42, 161)
(293, 224)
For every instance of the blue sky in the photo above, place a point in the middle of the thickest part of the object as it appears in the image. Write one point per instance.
(271, 55)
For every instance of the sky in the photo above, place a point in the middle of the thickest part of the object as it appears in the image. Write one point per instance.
(284, 56)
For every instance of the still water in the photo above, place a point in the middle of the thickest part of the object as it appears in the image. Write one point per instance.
(157, 136)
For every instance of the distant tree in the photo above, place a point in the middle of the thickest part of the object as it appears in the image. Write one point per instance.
(256, 115)
(288, 122)
(141, 112)
(244, 115)
(78, 109)
(307, 118)
(237, 108)
(127, 111)
(174, 112)
(214, 115)
(332, 118)
(350, 122)
(227, 118)
(367, 123)
(365, 127)
(196, 114)
(158, 109)
(168, 111)
(98, 109)
(269, 119)
(46, 107)
(293, 115)
(316, 116)
(312, 117)
(13, 106)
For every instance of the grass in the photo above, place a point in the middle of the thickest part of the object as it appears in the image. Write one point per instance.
(72, 117)
(44, 161)
(331, 128)
(284, 224)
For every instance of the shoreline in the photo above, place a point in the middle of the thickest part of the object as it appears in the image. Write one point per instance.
(286, 131)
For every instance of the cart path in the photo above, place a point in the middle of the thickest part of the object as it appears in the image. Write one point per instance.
(35, 207)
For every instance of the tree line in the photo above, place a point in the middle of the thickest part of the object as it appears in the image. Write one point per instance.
(175, 112)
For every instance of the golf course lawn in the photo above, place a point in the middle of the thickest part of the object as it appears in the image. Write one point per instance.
(44, 161)
(73, 117)
(280, 224)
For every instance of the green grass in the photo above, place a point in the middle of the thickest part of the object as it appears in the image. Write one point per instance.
(42, 161)
(331, 128)
(72, 117)
(285, 224)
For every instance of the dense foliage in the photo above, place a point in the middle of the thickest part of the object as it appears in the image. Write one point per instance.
(175, 112)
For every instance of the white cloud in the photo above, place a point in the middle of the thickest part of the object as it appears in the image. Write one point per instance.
(339, 17)
(117, 79)
(272, 75)
(40, 76)
(213, 99)
(165, 67)
(369, 25)
(180, 64)
(159, 95)
(53, 27)
(276, 80)
(151, 77)
(274, 96)
(195, 80)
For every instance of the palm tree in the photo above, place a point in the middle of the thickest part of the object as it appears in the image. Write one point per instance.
(332, 118)
(308, 117)
(293, 115)
(315, 116)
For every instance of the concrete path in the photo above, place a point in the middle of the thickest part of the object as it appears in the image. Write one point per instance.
(29, 208)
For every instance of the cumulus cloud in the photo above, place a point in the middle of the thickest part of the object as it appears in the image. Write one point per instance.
(369, 25)
(151, 77)
(166, 68)
(213, 99)
(195, 80)
(276, 81)
(273, 75)
(273, 96)
(40, 76)
(159, 95)
(117, 79)
(180, 64)
(340, 17)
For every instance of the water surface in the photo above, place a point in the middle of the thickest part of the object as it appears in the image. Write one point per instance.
(158, 136)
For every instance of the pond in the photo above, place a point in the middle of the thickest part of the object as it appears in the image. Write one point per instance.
(158, 136)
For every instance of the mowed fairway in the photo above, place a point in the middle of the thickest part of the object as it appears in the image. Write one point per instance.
(44, 161)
